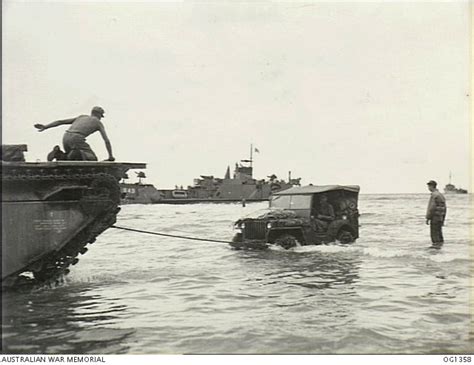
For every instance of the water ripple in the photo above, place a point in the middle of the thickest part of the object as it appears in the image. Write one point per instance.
(387, 293)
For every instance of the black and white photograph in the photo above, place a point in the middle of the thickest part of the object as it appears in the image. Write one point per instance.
(236, 178)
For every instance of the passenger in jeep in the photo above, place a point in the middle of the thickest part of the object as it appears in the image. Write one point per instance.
(324, 215)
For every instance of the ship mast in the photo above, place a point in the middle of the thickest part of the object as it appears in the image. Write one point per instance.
(449, 177)
(250, 161)
(251, 150)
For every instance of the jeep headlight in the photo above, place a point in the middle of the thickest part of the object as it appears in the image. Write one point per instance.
(239, 226)
(269, 225)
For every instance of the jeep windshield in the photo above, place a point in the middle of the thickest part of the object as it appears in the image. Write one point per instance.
(291, 202)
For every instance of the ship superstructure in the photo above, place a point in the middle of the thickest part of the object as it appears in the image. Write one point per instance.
(239, 186)
(451, 188)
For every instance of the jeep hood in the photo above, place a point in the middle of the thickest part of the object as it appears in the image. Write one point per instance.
(269, 213)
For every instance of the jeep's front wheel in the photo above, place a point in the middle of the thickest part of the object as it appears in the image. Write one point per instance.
(237, 241)
(345, 236)
(237, 238)
(286, 241)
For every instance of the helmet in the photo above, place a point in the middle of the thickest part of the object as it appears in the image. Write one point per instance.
(98, 110)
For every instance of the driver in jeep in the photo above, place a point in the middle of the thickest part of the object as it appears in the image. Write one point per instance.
(324, 215)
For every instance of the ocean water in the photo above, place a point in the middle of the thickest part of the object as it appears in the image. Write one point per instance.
(388, 293)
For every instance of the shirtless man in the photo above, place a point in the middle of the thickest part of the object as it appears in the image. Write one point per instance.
(74, 140)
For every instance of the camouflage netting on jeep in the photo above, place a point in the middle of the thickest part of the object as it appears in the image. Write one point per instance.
(278, 214)
(293, 222)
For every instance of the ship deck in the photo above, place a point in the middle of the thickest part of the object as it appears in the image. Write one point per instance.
(55, 164)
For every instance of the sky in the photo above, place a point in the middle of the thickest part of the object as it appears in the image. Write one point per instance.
(375, 94)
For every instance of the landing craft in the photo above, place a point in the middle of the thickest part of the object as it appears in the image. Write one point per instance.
(51, 211)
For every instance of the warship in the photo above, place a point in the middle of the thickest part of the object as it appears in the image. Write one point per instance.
(451, 188)
(139, 192)
(51, 211)
(241, 186)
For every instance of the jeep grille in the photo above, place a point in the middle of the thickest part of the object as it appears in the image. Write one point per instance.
(255, 229)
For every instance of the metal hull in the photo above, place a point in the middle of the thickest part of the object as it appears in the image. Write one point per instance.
(51, 211)
(225, 193)
(139, 194)
(209, 189)
(31, 230)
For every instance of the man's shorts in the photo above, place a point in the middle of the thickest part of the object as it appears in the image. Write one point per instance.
(76, 147)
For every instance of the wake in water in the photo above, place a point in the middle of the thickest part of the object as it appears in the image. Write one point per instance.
(388, 292)
(330, 247)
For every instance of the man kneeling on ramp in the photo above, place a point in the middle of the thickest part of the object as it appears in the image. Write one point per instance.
(74, 140)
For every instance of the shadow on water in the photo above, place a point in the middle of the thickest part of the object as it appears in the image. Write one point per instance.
(62, 320)
(308, 293)
(312, 279)
(313, 267)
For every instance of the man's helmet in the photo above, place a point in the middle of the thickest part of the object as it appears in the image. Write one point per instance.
(98, 111)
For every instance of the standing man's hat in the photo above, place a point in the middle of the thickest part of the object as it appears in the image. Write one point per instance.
(98, 110)
(432, 182)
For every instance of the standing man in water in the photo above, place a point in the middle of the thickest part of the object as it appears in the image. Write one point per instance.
(74, 140)
(436, 213)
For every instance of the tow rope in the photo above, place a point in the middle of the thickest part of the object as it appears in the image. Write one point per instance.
(169, 235)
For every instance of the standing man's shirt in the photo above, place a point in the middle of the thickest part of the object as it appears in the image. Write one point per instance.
(436, 207)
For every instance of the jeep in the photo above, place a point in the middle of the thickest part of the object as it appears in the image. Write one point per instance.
(303, 215)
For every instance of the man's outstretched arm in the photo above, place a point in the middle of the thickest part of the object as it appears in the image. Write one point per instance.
(42, 127)
(108, 145)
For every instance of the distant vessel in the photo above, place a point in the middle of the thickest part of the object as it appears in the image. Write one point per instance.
(139, 193)
(451, 189)
(209, 189)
